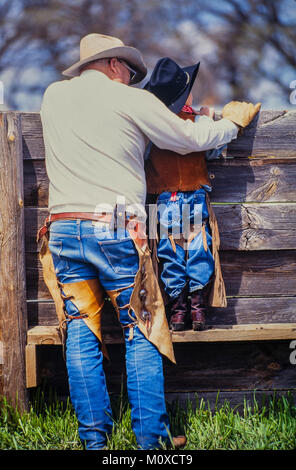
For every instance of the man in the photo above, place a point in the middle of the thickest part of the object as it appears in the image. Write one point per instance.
(95, 129)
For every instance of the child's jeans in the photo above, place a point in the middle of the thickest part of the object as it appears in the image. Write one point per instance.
(194, 265)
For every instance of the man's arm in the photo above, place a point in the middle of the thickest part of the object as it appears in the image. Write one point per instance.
(168, 131)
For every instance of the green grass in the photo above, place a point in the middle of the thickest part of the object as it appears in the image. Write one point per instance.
(53, 426)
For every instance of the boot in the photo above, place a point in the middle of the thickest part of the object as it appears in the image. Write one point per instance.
(198, 312)
(179, 442)
(179, 308)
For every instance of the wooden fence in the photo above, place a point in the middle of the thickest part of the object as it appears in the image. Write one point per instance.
(246, 345)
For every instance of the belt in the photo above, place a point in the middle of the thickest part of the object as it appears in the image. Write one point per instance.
(104, 217)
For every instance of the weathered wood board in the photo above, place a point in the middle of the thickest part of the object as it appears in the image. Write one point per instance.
(201, 368)
(263, 226)
(13, 314)
(240, 310)
(238, 180)
(244, 273)
(272, 133)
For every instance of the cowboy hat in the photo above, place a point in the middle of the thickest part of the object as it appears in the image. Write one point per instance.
(171, 83)
(98, 46)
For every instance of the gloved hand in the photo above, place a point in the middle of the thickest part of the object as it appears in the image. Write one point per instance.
(241, 113)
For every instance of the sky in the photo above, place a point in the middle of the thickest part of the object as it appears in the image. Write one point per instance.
(263, 89)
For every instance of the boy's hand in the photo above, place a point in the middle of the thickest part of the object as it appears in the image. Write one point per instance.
(206, 111)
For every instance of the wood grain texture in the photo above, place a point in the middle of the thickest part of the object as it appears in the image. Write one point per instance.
(252, 332)
(239, 310)
(33, 144)
(244, 273)
(271, 133)
(32, 369)
(260, 180)
(13, 314)
(238, 180)
(201, 368)
(264, 226)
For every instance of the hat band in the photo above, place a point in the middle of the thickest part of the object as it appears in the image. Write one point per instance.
(183, 89)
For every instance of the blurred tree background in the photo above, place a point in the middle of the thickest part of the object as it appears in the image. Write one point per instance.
(246, 47)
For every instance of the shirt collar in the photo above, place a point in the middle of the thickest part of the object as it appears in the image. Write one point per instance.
(93, 71)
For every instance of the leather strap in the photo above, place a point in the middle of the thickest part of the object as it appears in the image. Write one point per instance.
(105, 217)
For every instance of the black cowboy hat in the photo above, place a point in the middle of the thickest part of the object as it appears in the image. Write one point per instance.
(171, 83)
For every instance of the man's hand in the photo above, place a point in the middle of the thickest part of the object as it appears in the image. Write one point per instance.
(241, 113)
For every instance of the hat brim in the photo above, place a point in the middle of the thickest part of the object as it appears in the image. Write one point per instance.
(130, 54)
(177, 105)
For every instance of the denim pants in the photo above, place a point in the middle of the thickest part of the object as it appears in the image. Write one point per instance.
(81, 251)
(194, 265)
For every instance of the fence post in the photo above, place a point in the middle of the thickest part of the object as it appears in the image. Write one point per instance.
(13, 311)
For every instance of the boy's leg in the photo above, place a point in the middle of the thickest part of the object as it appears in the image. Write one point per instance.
(200, 268)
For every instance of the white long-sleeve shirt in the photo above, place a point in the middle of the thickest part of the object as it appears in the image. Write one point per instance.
(95, 132)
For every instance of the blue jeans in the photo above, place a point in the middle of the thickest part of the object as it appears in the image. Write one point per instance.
(194, 265)
(83, 251)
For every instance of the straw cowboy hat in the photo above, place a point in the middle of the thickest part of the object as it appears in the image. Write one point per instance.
(98, 46)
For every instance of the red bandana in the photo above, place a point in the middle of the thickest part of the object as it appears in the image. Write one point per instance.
(188, 109)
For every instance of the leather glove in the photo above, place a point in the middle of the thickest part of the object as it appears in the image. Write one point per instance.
(241, 113)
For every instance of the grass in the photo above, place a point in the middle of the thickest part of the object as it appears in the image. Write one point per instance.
(52, 425)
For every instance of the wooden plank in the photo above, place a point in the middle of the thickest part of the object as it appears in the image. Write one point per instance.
(263, 226)
(236, 399)
(1, 352)
(249, 365)
(272, 133)
(31, 366)
(245, 273)
(240, 311)
(33, 144)
(259, 332)
(12, 259)
(201, 367)
(269, 273)
(261, 180)
(35, 183)
(49, 335)
(238, 180)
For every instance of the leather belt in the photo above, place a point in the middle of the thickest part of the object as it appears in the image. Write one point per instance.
(104, 217)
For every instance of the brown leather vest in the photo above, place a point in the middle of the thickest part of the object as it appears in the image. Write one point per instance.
(169, 171)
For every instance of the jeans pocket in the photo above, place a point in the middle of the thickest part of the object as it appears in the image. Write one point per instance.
(121, 255)
(60, 263)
